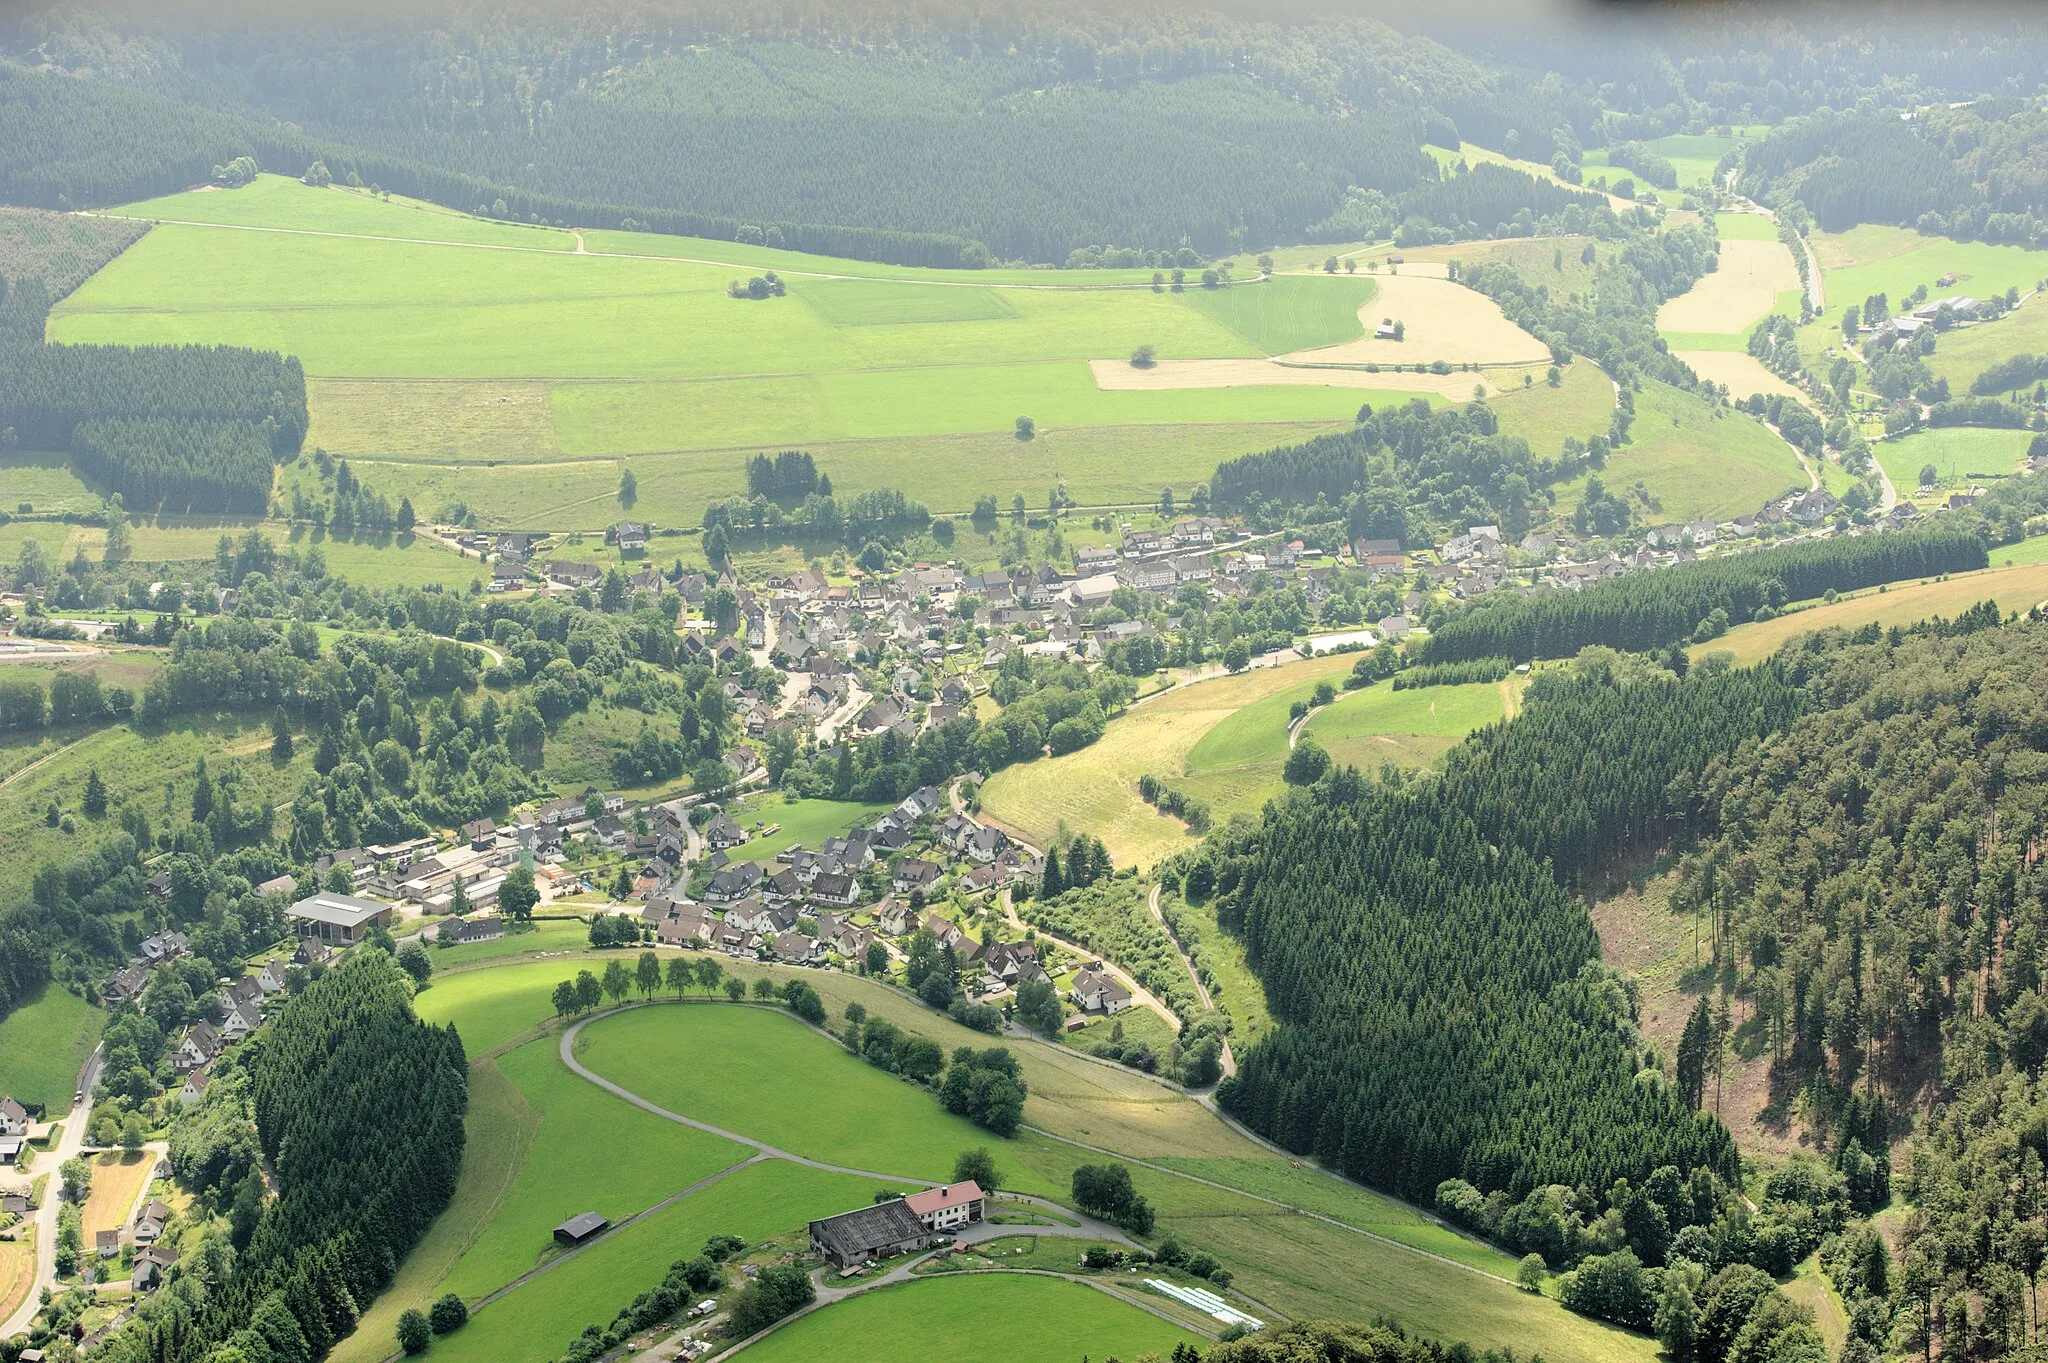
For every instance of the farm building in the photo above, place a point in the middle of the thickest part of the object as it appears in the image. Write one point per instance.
(341, 918)
(942, 1209)
(579, 1228)
(869, 1233)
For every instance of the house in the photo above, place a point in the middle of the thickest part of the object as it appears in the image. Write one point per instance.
(125, 984)
(846, 938)
(897, 917)
(507, 577)
(911, 873)
(782, 887)
(150, 1222)
(611, 830)
(564, 573)
(980, 880)
(986, 844)
(955, 831)
(947, 1208)
(752, 915)
(1095, 990)
(630, 536)
(854, 850)
(682, 924)
(481, 834)
(198, 1046)
(1012, 963)
(168, 946)
(107, 1242)
(579, 1228)
(239, 1021)
(835, 888)
(560, 813)
(734, 882)
(194, 1088)
(13, 1118)
(945, 930)
(798, 949)
(487, 929)
(150, 1266)
(723, 832)
(514, 548)
(743, 762)
(877, 1232)
(279, 885)
(342, 918)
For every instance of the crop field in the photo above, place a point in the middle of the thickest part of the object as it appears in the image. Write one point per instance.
(17, 1272)
(1581, 405)
(1441, 320)
(979, 1318)
(2016, 588)
(707, 1061)
(1956, 452)
(534, 1322)
(1096, 788)
(43, 1045)
(1742, 372)
(1895, 260)
(441, 345)
(1730, 301)
(117, 1177)
(1379, 388)
(573, 1165)
(1698, 461)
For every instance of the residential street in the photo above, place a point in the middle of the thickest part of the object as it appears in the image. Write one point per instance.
(68, 1145)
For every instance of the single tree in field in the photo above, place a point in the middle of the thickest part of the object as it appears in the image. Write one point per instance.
(978, 1166)
(764, 988)
(589, 992)
(406, 519)
(877, 961)
(1929, 475)
(647, 974)
(95, 794)
(132, 1133)
(281, 736)
(1144, 357)
(735, 989)
(618, 981)
(1530, 1273)
(565, 998)
(629, 488)
(1307, 763)
(414, 1332)
(1026, 428)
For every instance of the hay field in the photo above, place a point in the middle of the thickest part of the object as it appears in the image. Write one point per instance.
(1741, 371)
(2017, 588)
(1581, 405)
(117, 1178)
(1730, 301)
(1095, 789)
(1167, 375)
(1442, 321)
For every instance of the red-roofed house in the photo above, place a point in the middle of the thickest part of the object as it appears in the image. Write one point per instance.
(944, 1209)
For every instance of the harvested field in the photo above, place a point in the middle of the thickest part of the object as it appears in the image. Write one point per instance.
(435, 418)
(1742, 372)
(1122, 376)
(1729, 301)
(1442, 321)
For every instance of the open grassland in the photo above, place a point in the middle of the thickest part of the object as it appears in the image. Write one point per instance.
(512, 346)
(1408, 728)
(547, 935)
(1956, 452)
(1895, 260)
(44, 483)
(1095, 789)
(975, 1318)
(1441, 321)
(117, 1178)
(809, 822)
(43, 1046)
(1731, 300)
(1697, 460)
(536, 1321)
(1581, 405)
(1745, 227)
(134, 766)
(1962, 355)
(707, 1062)
(2017, 588)
(498, 1131)
(574, 1165)
(1741, 372)
(129, 667)
(491, 1007)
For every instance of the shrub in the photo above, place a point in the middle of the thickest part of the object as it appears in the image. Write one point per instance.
(414, 1333)
(448, 1313)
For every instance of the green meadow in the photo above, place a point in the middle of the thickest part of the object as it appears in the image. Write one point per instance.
(1410, 728)
(1956, 452)
(1696, 460)
(573, 1166)
(979, 1318)
(43, 1045)
(809, 822)
(708, 1062)
(1895, 260)
(1961, 356)
(1581, 405)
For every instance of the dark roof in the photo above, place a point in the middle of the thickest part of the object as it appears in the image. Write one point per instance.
(581, 1226)
(858, 1233)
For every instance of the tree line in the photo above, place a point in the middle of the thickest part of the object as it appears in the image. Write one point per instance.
(1653, 609)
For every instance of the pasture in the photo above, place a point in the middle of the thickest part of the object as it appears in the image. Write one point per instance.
(535, 1321)
(975, 1318)
(1408, 728)
(1962, 355)
(574, 1164)
(443, 345)
(1895, 260)
(44, 483)
(1581, 405)
(1696, 460)
(2016, 588)
(1730, 301)
(706, 1061)
(44, 1044)
(1956, 452)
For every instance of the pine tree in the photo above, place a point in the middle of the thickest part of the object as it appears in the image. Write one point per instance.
(202, 794)
(1692, 1054)
(95, 794)
(1051, 883)
(280, 736)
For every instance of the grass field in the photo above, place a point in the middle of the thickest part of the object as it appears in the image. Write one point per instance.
(974, 1318)
(44, 483)
(1955, 451)
(117, 1177)
(574, 1164)
(498, 1132)
(1442, 321)
(1581, 405)
(1232, 984)
(706, 1062)
(1696, 460)
(43, 1046)
(548, 935)
(1409, 728)
(535, 1321)
(443, 342)
(809, 822)
(490, 1007)
(1096, 788)
(1895, 260)
(2015, 588)
(1962, 355)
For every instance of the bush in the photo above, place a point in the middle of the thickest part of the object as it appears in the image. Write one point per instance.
(769, 1297)
(414, 1333)
(448, 1313)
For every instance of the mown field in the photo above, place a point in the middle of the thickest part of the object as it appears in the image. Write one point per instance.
(1695, 460)
(1408, 728)
(1956, 452)
(1581, 406)
(439, 346)
(44, 1044)
(2016, 588)
(117, 1178)
(809, 822)
(1720, 311)
(979, 1318)
(1895, 260)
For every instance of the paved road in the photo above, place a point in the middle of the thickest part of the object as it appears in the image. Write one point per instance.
(72, 1141)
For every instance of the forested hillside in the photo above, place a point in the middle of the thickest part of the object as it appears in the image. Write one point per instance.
(358, 1108)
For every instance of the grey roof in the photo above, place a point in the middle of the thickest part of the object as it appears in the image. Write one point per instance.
(859, 1233)
(342, 910)
(581, 1226)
